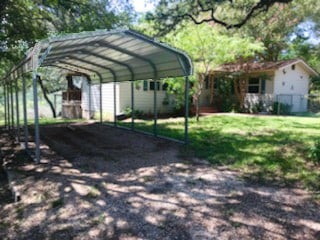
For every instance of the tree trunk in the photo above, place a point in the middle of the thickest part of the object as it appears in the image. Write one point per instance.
(197, 94)
(44, 91)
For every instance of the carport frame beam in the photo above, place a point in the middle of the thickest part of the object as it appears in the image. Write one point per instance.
(36, 116)
(17, 109)
(5, 105)
(25, 117)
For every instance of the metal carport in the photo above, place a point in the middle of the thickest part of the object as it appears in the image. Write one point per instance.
(103, 56)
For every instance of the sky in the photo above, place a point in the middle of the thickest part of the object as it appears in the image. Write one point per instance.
(142, 5)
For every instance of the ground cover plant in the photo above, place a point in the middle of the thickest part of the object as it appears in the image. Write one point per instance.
(273, 149)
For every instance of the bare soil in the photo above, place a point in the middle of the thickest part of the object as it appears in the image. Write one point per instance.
(98, 182)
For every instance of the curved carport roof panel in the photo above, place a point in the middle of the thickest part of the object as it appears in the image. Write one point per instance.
(104, 56)
(116, 55)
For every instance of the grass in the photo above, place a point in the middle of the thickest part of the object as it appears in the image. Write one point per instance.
(265, 148)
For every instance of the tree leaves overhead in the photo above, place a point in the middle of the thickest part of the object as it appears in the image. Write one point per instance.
(228, 13)
(23, 22)
(208, 47)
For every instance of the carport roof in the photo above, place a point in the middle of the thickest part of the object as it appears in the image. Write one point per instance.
(106, 56)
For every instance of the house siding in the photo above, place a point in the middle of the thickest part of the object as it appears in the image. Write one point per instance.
(143, 100)
(107, 98)
(291, 87)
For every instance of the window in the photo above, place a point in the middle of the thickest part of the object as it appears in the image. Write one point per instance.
(151, 87)
(145, 85)
(254, 85)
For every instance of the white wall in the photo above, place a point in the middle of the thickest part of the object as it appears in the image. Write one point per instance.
(292, 86)
(143, 100)
(107, 98)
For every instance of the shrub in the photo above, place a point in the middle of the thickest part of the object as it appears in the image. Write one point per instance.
(137, 113)
(281, 108)
(314, 151)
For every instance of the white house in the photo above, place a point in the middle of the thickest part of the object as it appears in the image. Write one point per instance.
(285, 81)
(143, 96)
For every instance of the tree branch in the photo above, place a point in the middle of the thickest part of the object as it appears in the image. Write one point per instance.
(199, 8)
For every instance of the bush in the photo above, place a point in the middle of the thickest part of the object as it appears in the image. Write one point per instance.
(281, 108)
(128, 112)
(314, 151)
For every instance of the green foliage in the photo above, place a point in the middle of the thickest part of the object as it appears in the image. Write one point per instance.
(281, 108)
(208, 47)
(137, 113)
(170, 14)
(314, 151)
(225, 98)
(176, 88)
(315, 83)
(23, 22)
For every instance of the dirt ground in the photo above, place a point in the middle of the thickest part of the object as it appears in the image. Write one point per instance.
(98, 182)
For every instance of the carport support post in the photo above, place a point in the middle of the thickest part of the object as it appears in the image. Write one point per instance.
(5, 105)
(100, 87)
(114, 104)
(36, 116)
(25, 117)
(89, 85)
(155, 127)
(186, 104)
(17, 110)
(132, 105)
(55, 102)
(12, 108)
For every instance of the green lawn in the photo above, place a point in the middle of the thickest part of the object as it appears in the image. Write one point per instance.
(265, 148)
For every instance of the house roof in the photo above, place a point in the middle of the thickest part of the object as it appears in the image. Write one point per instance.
(263, 66)
(106, 56)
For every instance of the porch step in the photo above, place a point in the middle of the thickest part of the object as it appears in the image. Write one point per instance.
(207, 110)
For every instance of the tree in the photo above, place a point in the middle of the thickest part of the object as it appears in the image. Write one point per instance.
(208, 48)
(23, 22)
(228, 13)
(277, 27)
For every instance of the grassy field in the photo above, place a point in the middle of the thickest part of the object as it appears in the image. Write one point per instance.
(265, 148)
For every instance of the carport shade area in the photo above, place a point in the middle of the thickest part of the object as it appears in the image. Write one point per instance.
(102, 56)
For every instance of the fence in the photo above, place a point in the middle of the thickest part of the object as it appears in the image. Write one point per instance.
(283, 103)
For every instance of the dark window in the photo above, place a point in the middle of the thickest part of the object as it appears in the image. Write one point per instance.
(293, 67)
(253, 89)
(254, 85)
(145, 85)
(152, 85)
(254, 81)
